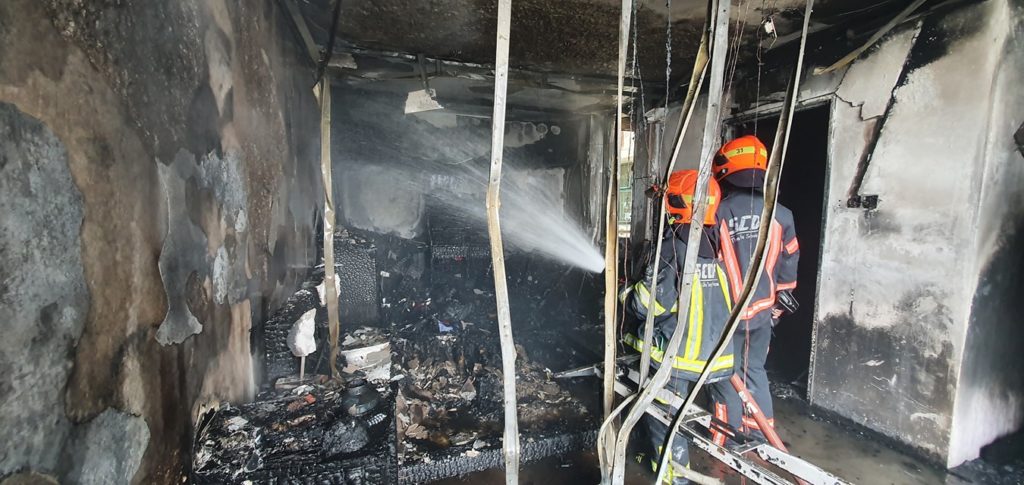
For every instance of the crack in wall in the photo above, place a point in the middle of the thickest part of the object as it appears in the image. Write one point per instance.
(853, 196)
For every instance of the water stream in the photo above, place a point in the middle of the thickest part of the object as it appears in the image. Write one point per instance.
(533, 216)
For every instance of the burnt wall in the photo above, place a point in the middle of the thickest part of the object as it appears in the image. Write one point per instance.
(990, 398)
(910, 151)
(159, 191)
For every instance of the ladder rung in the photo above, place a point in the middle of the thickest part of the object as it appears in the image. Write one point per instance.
(742, 448)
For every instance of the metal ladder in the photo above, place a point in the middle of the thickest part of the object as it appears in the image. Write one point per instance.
(735, 456)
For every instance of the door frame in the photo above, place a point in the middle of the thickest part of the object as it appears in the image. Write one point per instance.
(774, 109)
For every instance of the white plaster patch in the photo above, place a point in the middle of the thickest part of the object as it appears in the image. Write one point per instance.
(221, 275)
(181, 252)
(874, 363)
(869, 81)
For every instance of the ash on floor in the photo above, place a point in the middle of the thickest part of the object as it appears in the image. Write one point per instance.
(334, 433)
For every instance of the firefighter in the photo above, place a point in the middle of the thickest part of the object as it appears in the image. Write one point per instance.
(705, 316)
(739, 167)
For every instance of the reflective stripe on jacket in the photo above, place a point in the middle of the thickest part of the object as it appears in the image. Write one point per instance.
(740, 214)
(706, 316)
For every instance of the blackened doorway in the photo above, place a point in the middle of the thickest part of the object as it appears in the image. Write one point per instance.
(802, 190)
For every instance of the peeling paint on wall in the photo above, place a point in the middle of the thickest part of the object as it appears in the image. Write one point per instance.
(108, 449)
(195, 170)
(43, 296)
(182, 253)
(868, 83)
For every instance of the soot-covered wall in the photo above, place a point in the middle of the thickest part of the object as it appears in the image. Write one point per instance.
(990, 396)
(913, 336)
(158, 185)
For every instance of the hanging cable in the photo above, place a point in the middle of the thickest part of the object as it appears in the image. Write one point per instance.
(668, 52)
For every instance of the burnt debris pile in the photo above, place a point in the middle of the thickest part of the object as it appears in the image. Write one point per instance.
(337, 434)
(447, 361)
(450, 399)
(421, 334)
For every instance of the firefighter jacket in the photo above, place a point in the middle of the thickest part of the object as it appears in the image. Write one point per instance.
(705, 318)
(740, 216)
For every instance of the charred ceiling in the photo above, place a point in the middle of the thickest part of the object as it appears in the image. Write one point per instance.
(567, 36)
(563, 53)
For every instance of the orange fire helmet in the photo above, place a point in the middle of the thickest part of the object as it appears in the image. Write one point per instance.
(740, 155)
(679, 197)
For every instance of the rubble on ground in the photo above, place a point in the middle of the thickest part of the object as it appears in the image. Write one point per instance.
(288, 429)
(450, 399)
(435, 357)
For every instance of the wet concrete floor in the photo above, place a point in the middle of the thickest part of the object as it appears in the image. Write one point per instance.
(848, 454)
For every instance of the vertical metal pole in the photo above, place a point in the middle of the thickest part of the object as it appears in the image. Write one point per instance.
(330, 288)
(508, 348)
(611, 240)
(611, 249)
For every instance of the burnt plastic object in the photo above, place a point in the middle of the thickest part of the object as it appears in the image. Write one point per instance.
(270, 441)
(869, 202)
(348, 435)
(360, 397)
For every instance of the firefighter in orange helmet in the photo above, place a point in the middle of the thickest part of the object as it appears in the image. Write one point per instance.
(705, 316)
(739, 167)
